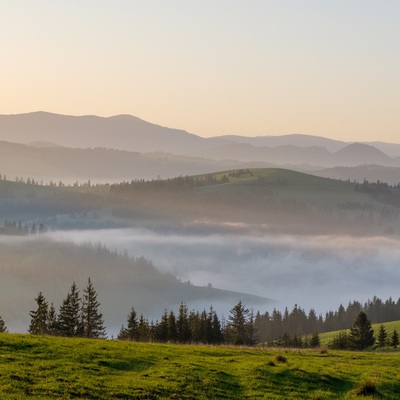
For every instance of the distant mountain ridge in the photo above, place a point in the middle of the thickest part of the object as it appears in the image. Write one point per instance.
(92, 147)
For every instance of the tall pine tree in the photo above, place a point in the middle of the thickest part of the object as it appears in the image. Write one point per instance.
(361, 334)
(237, 324)
(52, 323)
(69, 318)
(92, 319)
(132, 331)
(382, 336)
(38, 325)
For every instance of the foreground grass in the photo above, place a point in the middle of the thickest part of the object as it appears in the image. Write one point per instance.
(43, 367)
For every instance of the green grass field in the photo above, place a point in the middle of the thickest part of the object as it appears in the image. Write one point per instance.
(59, 368)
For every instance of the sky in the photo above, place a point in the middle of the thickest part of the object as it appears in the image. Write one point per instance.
(211, 67)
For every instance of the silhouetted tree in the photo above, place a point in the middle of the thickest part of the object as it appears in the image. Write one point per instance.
(92, 319)
(382, 336)
(171, 327)
(38, 325)
(131, 332)
(144, 334)
(52, 323)
(361, 334)
(69, 317)
(394, 339)
(237, 324)
(182, 324)
(315, 341)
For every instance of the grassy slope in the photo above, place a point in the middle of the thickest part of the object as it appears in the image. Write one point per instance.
(302, 186)
(327, 337)
(43, 367)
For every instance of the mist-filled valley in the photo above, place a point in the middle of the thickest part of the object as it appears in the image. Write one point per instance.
(268, 237)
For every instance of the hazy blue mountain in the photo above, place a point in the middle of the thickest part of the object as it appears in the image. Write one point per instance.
(49, 162)
(298, 140)
(359, 154)
(130, 134)
(391, 149)
(122, 132)
(371, 173)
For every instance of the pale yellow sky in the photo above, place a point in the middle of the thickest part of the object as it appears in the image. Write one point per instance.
(212, 67)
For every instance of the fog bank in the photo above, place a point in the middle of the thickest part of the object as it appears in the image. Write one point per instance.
(312, 271)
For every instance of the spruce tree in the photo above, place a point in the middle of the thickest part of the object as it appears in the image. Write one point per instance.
(38, 325)
(131, 332)
(361, 334)
(92, 319)
(171, 324)
(52, 323)
(237, 324)
(161, 328)
(3, 328)
(394, 339)
(182, 324)
(143, 329)
(315, 341)
(69, 317)
(382, 336)
(218, 337)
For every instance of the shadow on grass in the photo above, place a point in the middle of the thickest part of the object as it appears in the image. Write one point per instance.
(300, 381)
(224, 386)
(134, 365)
(17, 345)
(389, 391)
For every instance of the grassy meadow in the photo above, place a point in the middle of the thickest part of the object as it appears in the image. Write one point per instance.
(48, 367)
(327, 337)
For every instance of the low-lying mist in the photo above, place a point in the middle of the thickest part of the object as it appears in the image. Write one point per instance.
(312, 271)
(317, 272)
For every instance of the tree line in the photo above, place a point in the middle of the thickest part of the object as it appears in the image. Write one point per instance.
(79, 316)
(180, 183)
(361, 336)
(277, 325)
(19, 229)
(193, 327)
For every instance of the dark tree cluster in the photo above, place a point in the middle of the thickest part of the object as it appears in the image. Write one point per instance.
(239, 173)
(181, 183)
(361, 336)
(296, 341)
(273, 326)
(19, 229)
(192, 327)
(77, 317)
(389, 194)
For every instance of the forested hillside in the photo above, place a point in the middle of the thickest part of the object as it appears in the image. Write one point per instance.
(283, 200)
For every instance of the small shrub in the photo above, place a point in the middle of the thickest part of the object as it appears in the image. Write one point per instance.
(271, 364)
(280, 358)
(367, 388)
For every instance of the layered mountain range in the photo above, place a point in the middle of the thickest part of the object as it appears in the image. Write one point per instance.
(51, 146)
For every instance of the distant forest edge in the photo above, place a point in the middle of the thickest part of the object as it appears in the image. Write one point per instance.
(38, 262)
(80, 316)
(285, 200)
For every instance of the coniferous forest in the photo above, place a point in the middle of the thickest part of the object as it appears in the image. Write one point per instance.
(79, 316)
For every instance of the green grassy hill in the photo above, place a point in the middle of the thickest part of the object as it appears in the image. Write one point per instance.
(284, 200)
(49, 368)
(327, 337)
